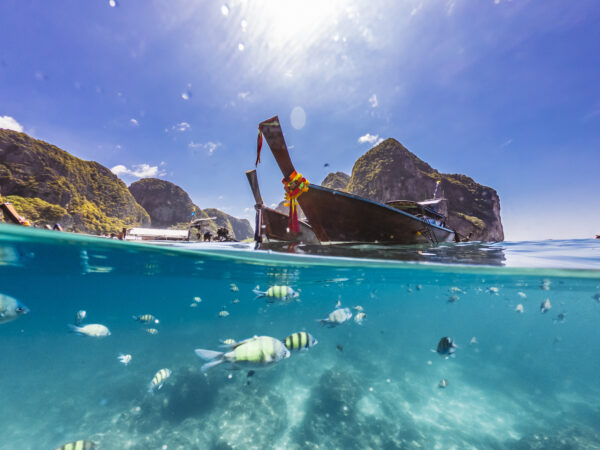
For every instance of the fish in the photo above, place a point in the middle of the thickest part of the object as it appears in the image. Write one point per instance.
(78, 445)
(560, 318)
(277, 294)
(338, 304)
(545, 306)
(337, 317)
(11, 309)
(146, 318)
(339, 347)
(456, 290)
(545, 285)
(250, 373)
(473, 341)
(197, 299)
(152, 331)
(596, 297)
(357, 308)
(193, 305)
(453, 298)
(360, 317)
(258, 351)
(234, 287)
(442, 384)
(223, 313)
(237, 300)
(124, 359)
(80, 316)
(522, 294)
(92, 330)
(446, 346)
(493, 290)
(300, 341)
(419, 287)
(519, 308)
(159, 380)
(228, 342)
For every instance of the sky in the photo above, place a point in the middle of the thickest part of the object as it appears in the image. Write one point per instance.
(506, 92)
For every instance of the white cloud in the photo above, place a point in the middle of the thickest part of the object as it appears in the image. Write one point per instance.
(10, 124)
(373, 101)
(137, 171)
(209, 146)
(134, 122)
(181, 126)
(506, 143)
(368, 138)
(243, 95)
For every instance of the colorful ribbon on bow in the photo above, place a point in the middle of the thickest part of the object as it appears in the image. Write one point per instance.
(295, 185)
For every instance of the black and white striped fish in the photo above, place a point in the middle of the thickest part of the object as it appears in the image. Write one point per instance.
(78, 445)
(146, 318)
(300, 341)
(159, 379)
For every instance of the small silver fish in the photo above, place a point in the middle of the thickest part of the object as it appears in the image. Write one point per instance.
(11, 309)
(456, 290)
(197, 299)
(360, 317)
(560, 318)
(473, 341)
(493, 290)
(124, 359)
(442, 384)
(545, 306)
(80, 317)
(453, 298)
(545, 285)
(519, 308)
(522, 294)
(357, 307)
(223, 313)
(337, 317)
(233, 287)
(159, 380)
(151, 331)
(228, 342)
(92, 330)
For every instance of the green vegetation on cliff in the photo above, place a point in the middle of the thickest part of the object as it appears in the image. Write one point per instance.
(95, 200)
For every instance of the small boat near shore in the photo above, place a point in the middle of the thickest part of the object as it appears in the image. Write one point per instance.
(272, 225)
(337, 216)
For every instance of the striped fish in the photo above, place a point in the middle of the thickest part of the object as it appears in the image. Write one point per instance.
(159, 379)
(337, 317)
(257, 351)
(146, 318)
(277, 294)
(151, 331)
(446, 346)
(300, 341)
(78, 445)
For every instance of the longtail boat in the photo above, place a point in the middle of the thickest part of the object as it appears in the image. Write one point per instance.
(272, 225)
(337, 216)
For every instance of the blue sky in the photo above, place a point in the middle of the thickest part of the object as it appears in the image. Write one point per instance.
(507, 92)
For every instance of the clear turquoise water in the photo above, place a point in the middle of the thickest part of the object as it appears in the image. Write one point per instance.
(530, 381)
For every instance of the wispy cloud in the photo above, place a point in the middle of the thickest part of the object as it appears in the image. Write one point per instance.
(181, 126)
(10, 123)
(373, 101)
(369, 138)
(243, 95)
(137, 171)
(134, 122)
(209, 146)
(506, 143)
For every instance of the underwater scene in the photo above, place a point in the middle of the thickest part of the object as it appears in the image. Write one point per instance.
(124, 345)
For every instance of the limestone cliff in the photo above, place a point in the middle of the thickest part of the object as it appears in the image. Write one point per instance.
(336, 180)
(391, 172)
(47, 184)
(170, 206)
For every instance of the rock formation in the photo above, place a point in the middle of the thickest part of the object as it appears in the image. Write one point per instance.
(170, 206)
(391, 172)
(337, 180)
(47, 184)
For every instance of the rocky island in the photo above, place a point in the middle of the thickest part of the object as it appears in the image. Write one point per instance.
(49, 185)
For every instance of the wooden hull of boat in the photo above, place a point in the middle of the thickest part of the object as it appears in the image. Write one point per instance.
(336, 216)
(275, 228)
